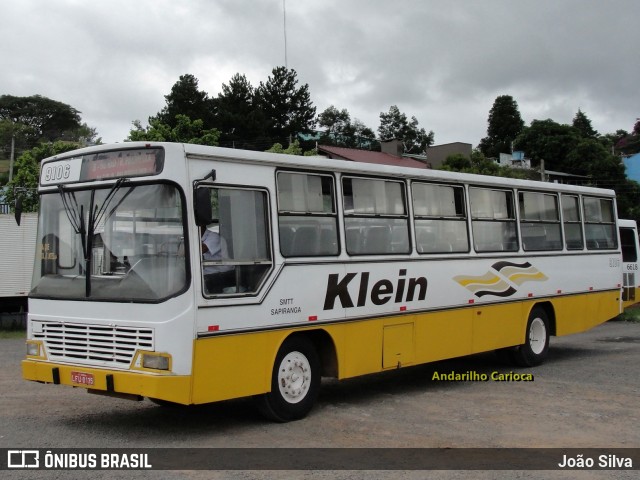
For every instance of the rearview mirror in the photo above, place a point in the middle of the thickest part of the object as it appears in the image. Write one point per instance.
(202, 206)
(18, 208)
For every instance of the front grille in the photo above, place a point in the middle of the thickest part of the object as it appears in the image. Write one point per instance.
(93, 344)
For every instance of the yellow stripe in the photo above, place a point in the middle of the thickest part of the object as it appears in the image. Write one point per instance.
(520, 278)
(486, 279)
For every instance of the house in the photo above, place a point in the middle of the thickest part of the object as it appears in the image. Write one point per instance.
(437, 154)
(391, 154)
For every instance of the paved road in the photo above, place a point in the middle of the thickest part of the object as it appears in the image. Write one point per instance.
(586, 395)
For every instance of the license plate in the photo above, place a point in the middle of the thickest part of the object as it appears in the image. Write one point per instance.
(82, 378)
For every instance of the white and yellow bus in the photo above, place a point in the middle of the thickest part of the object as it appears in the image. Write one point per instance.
(325, 268)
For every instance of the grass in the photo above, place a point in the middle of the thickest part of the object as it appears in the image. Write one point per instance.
(4, 334)
(631, 315)
(4, 166)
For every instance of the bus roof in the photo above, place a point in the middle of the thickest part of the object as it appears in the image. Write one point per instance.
(320, 163)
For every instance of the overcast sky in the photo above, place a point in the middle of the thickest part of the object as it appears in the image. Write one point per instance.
(442, 61)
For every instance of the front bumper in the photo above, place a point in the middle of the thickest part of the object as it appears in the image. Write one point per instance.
(172, 388)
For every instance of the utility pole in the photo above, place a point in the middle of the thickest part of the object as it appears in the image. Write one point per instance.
(284, 16)
(13, 149)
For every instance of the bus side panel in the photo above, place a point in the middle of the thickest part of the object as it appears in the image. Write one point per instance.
(359, 347)
(233, 366)
(578, 313)
(498, 326)
(444, 334)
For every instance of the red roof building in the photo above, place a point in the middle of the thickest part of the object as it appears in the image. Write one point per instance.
(367, 156)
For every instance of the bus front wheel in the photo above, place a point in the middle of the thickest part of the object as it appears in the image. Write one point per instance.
(295, 381)
(535, 348)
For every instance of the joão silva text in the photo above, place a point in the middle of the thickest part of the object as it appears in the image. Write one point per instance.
(604, 461)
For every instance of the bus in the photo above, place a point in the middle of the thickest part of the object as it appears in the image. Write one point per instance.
(320, 268)
(630, 274)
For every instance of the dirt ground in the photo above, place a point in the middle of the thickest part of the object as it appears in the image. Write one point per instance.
(585, 396)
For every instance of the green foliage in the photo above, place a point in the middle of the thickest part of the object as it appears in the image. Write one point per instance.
(293, 149)
(480, 165)
(184, 130)
(630, 315)
(340, 131)
(239, 120)
(549, 141)
(505, 124)
(35, 119)
(394, 125)
(186, 99)
(287, 108)
(457, 163)
(582, 123)
(27, 173)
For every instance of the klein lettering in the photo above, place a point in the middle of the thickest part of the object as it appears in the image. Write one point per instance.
(381, 292)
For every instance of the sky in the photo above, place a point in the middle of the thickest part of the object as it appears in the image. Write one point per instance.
(444, 62)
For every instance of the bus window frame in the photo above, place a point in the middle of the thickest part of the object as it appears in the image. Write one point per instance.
(511, 208)
(612, 225)
(579, 222)
(268, 237)
(406, 215)
(463, 218)
(334, 214)
(523, 220)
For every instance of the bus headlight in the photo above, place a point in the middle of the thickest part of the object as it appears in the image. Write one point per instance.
(155, 361)
(33, 349)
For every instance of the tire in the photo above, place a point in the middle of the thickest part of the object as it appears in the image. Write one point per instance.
(536, 346)
(295, 382)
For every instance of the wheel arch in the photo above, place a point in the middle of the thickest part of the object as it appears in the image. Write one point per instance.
(326, 348)
(551, 314)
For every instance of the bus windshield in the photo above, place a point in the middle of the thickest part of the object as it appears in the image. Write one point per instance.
(120, 243)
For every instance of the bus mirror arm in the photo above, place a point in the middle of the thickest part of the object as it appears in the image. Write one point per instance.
(211, 175)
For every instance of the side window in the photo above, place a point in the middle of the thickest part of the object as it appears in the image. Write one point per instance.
(628, 244)
(375, 216)
(572, 222)
(539, 221)
(493, 220)
(308, 223)
(599, 223)
(235, 246)
(440, 219)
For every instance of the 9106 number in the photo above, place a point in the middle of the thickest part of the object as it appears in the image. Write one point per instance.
(56, 173)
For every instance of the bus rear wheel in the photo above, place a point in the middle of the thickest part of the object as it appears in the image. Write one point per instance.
(536, 346)
(295, 381)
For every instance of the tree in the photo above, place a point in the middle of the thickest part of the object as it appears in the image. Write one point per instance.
(293, 149)
(287, 108)
(240, 122)
(394, 125)
(184, 131)
(549, 141)
(481, 165)
(186, 99)
(629, 144)
(339, 130)
(504, 125)
(25, 180)
(582, 123)
(35, 119)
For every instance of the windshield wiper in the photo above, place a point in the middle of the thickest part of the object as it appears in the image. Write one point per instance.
(75, 214)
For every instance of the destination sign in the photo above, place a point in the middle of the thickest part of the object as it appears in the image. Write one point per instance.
(103, 166)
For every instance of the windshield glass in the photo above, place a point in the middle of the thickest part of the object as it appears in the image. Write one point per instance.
(122, 243)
